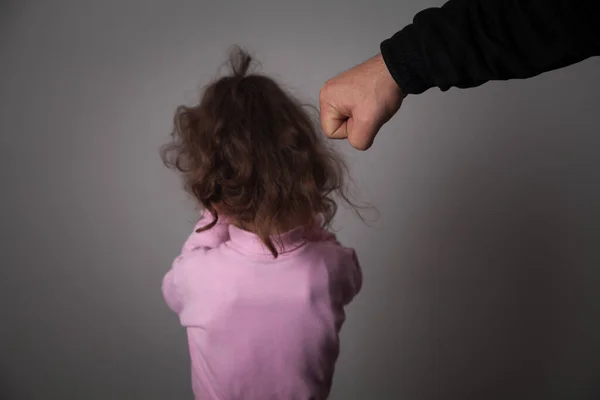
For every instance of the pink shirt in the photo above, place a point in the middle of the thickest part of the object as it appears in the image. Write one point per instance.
(260, 327)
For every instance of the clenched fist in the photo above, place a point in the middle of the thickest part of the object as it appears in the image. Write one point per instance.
(356, 103)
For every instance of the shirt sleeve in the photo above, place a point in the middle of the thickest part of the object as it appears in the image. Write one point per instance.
(354, 276)
(466, 43)
(197, 241)
(349, 272)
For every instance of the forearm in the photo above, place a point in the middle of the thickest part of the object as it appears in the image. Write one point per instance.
(466, 43)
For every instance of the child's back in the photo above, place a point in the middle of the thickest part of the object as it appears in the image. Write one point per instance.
(259, 327)
(263, 304)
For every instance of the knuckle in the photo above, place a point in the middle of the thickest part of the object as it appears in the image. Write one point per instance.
(323, 91)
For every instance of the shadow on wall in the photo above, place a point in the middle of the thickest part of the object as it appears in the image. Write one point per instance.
(493, 319)
(492, 307)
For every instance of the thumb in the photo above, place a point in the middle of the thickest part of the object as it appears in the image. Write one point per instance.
(361, 132)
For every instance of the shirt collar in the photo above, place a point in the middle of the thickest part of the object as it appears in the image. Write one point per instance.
(249, 243)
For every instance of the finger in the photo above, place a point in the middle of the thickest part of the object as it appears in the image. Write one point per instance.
(341, 132)
(333, 122)
(333, 119)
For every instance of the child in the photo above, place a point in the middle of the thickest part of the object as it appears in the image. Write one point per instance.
(260, 284)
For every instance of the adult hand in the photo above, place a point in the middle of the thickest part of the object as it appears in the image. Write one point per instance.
(356, 103)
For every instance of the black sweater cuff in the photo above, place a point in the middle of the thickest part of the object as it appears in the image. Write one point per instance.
(404, 59)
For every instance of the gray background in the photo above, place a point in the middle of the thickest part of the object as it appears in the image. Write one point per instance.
(481, 276)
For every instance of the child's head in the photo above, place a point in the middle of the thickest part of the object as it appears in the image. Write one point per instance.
(251, 152)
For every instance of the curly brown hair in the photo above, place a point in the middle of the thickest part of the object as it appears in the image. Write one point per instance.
(253, 153)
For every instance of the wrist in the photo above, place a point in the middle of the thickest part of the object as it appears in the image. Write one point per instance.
(386, 80)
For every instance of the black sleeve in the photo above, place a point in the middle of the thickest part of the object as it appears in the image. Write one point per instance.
(466, 43)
